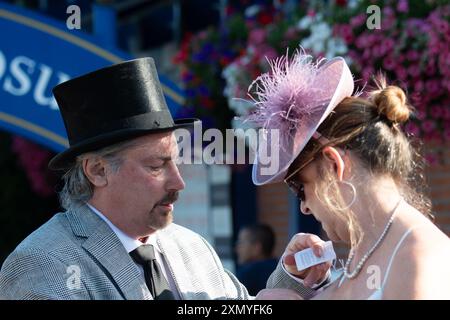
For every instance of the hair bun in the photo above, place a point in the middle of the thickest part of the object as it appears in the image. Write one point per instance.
(390, 101)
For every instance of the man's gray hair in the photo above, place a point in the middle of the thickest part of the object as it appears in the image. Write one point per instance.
(77, 188)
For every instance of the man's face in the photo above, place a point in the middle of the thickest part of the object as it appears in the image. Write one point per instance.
(143, 190)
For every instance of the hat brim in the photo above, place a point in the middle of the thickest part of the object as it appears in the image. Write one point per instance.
(66, 158)
(334, 77)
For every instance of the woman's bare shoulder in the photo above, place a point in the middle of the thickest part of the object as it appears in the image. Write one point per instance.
(420, 267)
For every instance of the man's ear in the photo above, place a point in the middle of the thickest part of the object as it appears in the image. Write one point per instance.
(95, 170)
(332, 154)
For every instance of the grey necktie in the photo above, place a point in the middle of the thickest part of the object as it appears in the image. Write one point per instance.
(154, 278)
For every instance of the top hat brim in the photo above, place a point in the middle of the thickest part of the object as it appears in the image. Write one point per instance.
(66, 158)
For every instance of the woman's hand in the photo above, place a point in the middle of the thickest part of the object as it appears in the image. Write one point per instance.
(299, 242)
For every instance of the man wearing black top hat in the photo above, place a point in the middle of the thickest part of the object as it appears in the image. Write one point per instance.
(116, 239)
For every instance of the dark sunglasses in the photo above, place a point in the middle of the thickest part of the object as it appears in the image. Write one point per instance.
(297, 188)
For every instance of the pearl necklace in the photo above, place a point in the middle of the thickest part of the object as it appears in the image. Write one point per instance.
(363, 260)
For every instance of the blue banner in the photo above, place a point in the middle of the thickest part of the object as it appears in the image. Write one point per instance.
(37, 53)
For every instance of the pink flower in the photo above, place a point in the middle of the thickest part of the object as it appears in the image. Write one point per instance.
(366, 54)
(412, 128)
(428, 126)
(444, 63)
(436, 112)
(414, 70)
(446, 114)
(412, 55)
(389, 63)
(387, 23)
(256, 37)
(421, 115)
(377, 51)
(34, 160)
(430, 70)
(431, 159)
(291, 33)
(266, 51)
(358, 20)
(432, 87)
(416, 99)
(388, 45)
(401, 72)
(365, 40)
(447, 134)
(345, 32)
(418, 86)
(367, 73)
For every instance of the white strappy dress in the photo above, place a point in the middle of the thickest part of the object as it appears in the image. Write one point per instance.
(378, 293)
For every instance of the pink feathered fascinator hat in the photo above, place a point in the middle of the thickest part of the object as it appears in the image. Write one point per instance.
(295, 97)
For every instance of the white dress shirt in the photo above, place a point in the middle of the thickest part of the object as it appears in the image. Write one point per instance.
(130, 244)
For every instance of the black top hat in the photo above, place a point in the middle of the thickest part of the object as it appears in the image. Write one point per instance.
(111, 105)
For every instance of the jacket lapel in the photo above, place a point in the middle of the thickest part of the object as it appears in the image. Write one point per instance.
(105, 247)
(175, 263)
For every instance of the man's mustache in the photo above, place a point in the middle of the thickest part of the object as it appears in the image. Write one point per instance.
(170, 198)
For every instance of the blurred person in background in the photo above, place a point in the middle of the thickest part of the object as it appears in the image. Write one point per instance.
(254, 249)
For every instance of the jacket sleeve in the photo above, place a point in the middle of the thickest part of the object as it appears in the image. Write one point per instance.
(36, 275)
(280, 279)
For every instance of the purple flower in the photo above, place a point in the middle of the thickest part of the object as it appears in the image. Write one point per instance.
(388, 11)
(403, 6)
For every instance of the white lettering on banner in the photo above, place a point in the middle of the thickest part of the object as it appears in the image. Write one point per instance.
(19, 80)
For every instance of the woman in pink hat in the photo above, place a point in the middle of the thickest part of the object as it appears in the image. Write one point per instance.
(348, 161)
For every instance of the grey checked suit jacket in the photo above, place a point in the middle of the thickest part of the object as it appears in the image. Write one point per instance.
(76, 255)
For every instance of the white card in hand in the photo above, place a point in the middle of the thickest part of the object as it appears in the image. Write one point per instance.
(306, 258)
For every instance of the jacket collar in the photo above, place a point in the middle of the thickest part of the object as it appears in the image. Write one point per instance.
(105, 247)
